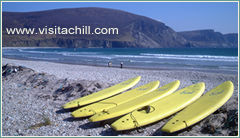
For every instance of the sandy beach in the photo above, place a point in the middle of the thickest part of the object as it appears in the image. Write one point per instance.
(33, 95)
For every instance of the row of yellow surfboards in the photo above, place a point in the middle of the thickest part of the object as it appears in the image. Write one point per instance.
(148, 104)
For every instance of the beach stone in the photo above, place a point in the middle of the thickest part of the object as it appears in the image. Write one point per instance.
(98, 85)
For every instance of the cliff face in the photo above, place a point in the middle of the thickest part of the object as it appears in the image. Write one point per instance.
(209, 38)
(134, 30)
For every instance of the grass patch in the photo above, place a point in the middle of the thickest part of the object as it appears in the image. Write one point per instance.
(46, 122)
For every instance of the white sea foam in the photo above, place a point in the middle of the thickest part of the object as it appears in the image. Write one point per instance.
(192, 57)
(142, 55)
(142, 59)
(41, 58)
(87, 56)
(36, 52)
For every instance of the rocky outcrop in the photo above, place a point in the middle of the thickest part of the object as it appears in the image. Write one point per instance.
(210, 38)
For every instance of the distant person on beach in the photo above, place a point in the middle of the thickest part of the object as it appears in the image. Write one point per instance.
(109, 64)
(121, 65)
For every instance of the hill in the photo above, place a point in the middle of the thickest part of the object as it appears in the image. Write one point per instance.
(134, 30)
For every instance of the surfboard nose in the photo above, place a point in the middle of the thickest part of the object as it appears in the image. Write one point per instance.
(104, 115)
(125, 123)
(71, 104)
(82, 112)
(96, 117)
(174, 125)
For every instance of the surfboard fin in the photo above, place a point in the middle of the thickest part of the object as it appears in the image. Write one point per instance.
(147, 109)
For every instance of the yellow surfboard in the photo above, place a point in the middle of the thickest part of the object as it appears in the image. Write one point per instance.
(136, 103)
(160, 109)
(103, 93)
(115, 100)
(200, 109)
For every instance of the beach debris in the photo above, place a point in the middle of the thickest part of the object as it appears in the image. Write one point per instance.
(85, 93)
(222, 122)
(232, 119)
(98, 85)
(37, 79)
(80, 87)
(214, 123)
(68, 89)
(9, 69)
(64, 89)
(19, 133)
(44, 96)
(62, 81)
(194, 81)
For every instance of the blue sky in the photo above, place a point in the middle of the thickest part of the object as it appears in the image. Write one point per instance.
(181, 16)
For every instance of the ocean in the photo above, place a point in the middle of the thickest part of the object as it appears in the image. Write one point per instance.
(201, 59)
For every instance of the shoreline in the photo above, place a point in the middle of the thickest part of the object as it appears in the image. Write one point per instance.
(189, 60)
(137, 68)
